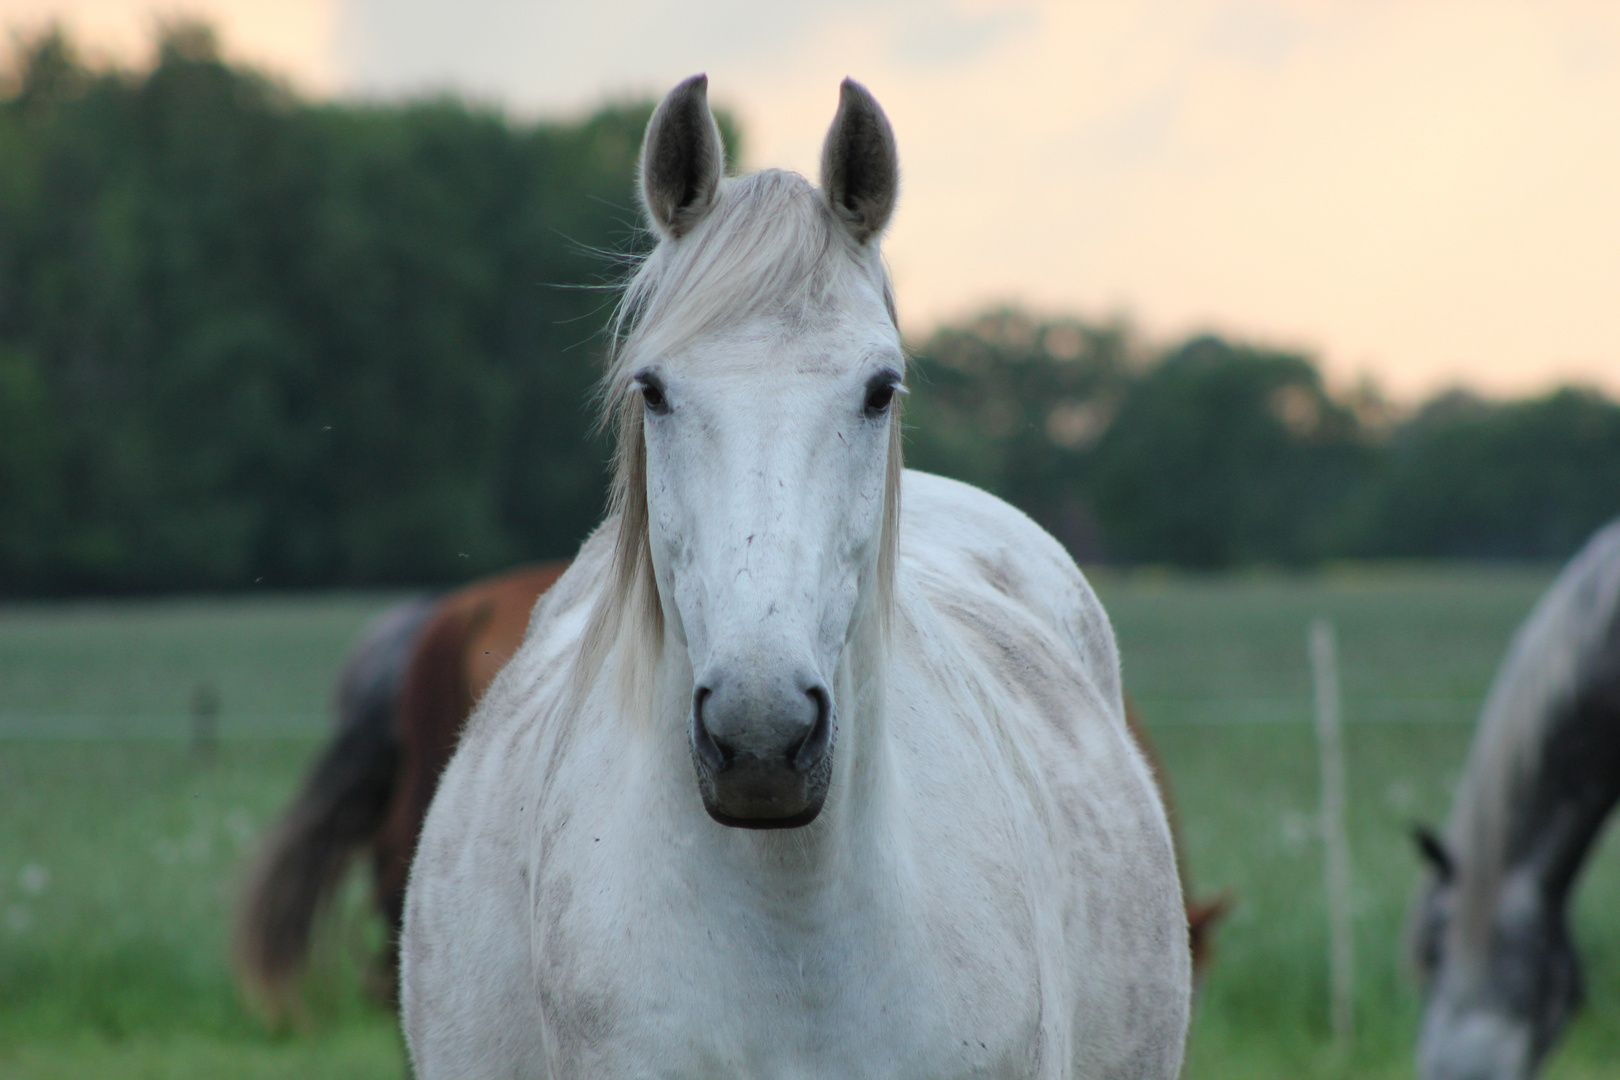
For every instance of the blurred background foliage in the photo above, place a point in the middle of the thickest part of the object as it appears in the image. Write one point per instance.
(246, 338)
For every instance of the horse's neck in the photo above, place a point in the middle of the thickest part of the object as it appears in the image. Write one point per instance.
(1544, 770)
(1574, 787)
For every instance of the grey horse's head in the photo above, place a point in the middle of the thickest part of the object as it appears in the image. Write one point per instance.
(1499, 989)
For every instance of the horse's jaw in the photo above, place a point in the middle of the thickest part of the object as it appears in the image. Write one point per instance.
(1474, 1044)
(1496, 1006)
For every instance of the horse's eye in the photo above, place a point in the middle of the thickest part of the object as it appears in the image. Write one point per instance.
(652, 395)
(878, 397)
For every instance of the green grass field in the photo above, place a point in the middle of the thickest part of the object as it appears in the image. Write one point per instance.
(119, 849)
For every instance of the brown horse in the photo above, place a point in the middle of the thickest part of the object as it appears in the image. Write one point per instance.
(407, 688)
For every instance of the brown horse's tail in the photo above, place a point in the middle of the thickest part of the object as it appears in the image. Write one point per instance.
(339, 809)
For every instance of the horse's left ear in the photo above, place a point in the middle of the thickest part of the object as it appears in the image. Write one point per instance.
(860, 169)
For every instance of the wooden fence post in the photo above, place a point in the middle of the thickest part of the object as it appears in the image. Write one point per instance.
(1335, 834)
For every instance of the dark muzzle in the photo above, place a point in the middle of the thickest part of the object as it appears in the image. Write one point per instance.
(762, 749)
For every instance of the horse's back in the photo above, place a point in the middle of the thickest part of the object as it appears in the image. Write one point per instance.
(966, 541)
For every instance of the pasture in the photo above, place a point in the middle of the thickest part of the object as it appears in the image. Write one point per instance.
(119, 846)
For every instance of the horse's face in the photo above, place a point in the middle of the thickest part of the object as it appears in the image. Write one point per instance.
(767, 450)
(766, 462)
(1494, 1008)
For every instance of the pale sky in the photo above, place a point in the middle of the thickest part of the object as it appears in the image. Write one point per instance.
(1422, 190)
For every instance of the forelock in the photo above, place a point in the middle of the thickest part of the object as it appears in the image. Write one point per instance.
(770, 246)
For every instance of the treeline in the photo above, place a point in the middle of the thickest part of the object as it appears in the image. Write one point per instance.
(250, 339)
(1216, 454)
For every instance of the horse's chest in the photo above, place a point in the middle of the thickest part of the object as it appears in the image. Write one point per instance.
(698, 984)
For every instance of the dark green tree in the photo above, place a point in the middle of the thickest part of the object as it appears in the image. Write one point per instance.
(1013, 404)
(255, 338)
(1475, 479)
(1222, 455)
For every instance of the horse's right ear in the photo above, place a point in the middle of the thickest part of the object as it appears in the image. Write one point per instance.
(1433, 850)
(682, 159)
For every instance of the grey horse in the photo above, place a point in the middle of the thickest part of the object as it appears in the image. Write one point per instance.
(1490, 934)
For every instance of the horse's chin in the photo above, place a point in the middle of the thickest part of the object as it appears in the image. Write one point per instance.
(795, 821)
(747, 795)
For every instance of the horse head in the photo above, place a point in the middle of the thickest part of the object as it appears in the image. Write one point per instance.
(1499, 987)
(754, 376)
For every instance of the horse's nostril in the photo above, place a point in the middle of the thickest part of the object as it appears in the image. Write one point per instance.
(813, 748)
(786, 727)
(715, 755)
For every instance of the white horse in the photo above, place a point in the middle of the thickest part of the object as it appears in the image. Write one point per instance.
(785, 782)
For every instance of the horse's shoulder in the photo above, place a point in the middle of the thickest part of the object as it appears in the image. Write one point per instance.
(974, 549)
(949, 523)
